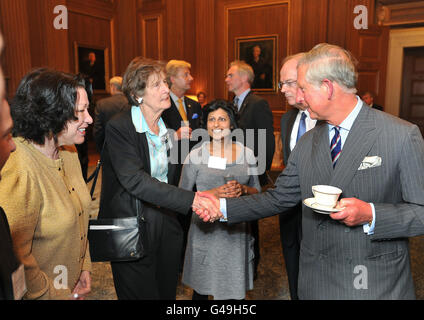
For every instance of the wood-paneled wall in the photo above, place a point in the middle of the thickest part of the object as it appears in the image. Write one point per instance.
(267, 18)
(16, 32)
(202, 32)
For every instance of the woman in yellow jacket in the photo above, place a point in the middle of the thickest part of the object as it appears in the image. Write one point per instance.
(42, 191)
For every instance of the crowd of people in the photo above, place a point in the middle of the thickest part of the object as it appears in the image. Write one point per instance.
(170, 156)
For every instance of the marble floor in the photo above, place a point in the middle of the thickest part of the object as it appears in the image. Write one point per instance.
(271, 283)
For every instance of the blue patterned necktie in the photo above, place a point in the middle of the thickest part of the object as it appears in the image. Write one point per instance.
(302, 126)
(336, 146)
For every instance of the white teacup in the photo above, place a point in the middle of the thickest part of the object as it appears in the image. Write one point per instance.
(326, 196)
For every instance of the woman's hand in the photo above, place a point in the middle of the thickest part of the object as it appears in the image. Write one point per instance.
(83, 286)
(232, 189)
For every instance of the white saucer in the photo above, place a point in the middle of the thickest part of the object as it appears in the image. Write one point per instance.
(310, 202)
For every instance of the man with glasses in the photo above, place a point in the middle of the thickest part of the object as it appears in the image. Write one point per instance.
(294, 123)
(358, 249)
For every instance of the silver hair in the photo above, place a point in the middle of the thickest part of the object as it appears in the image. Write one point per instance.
(296, 56)
(117, 82)
(244, 68)
(327, 61)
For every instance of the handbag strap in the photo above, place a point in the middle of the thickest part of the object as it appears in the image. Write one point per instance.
(137, 209)
(95, 174)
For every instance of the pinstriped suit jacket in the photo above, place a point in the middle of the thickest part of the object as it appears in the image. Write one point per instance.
(335, 258)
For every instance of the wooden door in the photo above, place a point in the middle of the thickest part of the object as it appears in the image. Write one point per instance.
(412, 103)
(369, 46)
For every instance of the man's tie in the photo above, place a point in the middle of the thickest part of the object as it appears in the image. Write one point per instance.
(302, 126)
(181, 110)
(236, 100)
(336, 146)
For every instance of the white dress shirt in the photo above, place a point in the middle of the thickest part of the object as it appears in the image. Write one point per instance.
(345, 126)
(310, 124)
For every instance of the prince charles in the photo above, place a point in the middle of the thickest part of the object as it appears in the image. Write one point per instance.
(376, 159)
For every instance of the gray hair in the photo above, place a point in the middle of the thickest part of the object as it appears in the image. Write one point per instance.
(327, 61)
(296, 56)
(117, 82)
(244, 68)
(135, 78)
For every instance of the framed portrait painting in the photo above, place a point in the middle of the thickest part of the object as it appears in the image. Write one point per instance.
(260, 52)
(93, 63)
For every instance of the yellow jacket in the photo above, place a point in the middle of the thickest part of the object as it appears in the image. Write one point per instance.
(47, 204)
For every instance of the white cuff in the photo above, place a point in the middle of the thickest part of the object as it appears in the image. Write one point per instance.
(369, 229)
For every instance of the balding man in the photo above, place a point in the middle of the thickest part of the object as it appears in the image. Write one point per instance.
(294, 124)
(377, 160)
(106, 108)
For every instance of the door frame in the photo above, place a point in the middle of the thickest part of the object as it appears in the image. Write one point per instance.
(398, 40)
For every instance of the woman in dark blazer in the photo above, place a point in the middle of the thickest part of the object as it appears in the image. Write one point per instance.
(136, 166)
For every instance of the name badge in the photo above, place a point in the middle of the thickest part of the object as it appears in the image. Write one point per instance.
(217, 163)
(19, 284)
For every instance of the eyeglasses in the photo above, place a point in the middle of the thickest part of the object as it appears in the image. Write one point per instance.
(288, 83)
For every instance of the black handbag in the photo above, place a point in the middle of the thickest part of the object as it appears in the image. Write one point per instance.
(119, 239)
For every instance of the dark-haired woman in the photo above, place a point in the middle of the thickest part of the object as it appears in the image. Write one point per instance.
(42, 190)
(219, 257)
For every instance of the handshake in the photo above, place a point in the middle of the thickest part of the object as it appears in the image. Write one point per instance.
(206, 206)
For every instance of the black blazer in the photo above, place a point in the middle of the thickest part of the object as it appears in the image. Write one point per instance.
(287, 122)
(255, 113)
(126, 175)
(105, 109)
(376, 106)
(172, 117)
(8, 261)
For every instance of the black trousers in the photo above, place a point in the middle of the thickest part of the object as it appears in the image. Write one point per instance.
(291, 236)
(155, 276)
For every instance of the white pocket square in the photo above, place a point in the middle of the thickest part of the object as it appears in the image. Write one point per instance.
(370, 162)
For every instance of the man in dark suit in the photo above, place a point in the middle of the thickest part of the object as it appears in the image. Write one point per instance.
(183, 117)
(360, 250)
(106, 108)
(294, 123)
(184, 114)
(368, 98)
(8, 262)
(254, 114)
